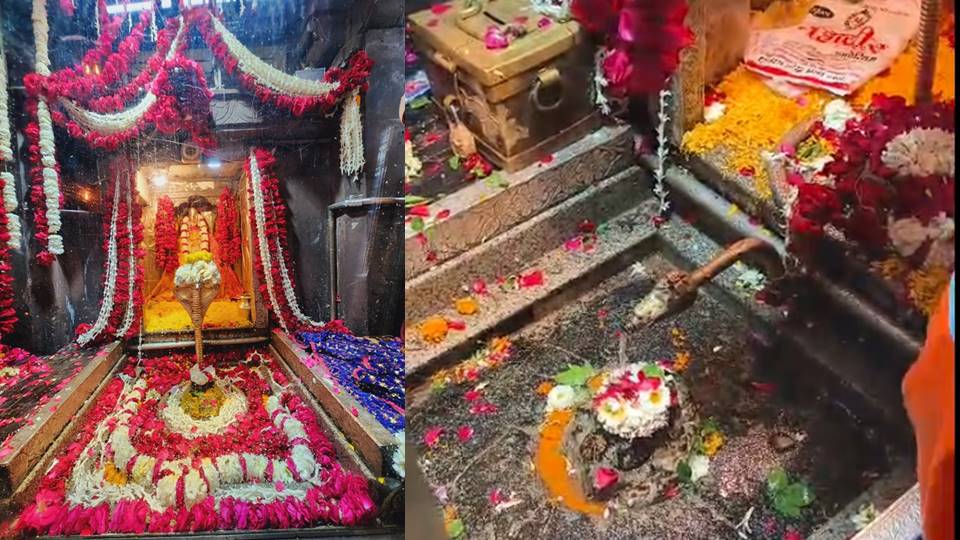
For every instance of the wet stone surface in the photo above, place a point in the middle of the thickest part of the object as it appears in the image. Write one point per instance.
(731, 379)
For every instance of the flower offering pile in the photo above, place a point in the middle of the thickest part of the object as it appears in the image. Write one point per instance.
(884, 181)
(372, 371)
(197, 269)
(635, 400)
(616, 435)
(230, 446)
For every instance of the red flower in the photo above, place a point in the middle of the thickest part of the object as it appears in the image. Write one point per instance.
(605, 477)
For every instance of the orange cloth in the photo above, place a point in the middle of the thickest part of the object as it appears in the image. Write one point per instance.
(928, 390)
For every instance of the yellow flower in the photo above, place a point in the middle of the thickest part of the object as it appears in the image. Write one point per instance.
(434, 329)
(467, 306)
(196, 256)
(681, 362)
(113, 475)
(712, 443)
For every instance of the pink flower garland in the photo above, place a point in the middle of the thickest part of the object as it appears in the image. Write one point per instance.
(37, 195)
(342, 499)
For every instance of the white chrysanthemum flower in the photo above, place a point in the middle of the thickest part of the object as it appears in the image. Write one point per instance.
(921, 152)
(639, 414)
(907, 235)
(836, 113)
(699, 467)
(942, 252)
(201, 272)
(561, 397)
(713, 112)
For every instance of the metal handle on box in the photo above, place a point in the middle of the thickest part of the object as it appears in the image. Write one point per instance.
(546, 78)
(443, 62)
(471, 8)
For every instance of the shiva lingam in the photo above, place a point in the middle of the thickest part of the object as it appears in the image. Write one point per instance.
(196, 285)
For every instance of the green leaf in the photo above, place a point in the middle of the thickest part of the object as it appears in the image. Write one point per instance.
(416, 224)
(454, 162)
(575, 375)
(653, 370)
(496, 181)
(684, 472)
(455, 529)
(785, 507)
(419, 103)
(413, 200)
(777, 480)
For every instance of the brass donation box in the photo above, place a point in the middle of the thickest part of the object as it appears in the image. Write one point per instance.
(522, 102)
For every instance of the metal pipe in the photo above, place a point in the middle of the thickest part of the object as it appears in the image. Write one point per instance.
(183, 344)
(682, 182)
(927, 49)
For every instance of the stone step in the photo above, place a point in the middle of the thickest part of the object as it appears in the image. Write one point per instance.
(479, 211)
(629, 233)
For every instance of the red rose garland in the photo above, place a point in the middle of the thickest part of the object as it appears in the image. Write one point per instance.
(866, 193)
(165, 236)
(275, 230)
(352, 77)
(73, 83)
(227, 229)
(38, 196)
(342, 498)
(128, 227)
(643, 38)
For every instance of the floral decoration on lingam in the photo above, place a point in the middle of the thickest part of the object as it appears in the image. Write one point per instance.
(615, 438)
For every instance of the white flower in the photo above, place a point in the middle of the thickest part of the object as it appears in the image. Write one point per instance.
(561, 397)
(907, 235)
(836, 113)
(197, 376)
(640, 415)
(699, 467)
(656, 401)
(412, 164)
(942, 250)
(713, 112)
(201, 272)
(921, 152)
(400, 456)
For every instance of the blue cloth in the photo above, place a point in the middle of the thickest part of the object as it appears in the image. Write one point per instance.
(372, 371)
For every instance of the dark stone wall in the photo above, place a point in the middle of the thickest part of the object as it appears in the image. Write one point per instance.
(51, 302)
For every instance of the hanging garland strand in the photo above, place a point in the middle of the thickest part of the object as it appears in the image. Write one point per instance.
(165, 236)
(272, 259)
(88, 106)
(9, 221)
(227, 233)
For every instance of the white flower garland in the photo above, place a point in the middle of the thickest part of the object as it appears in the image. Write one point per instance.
(266, 260)
(351, 136)
(267, 75)
(260, 220)
(224, 474)
(558, 10)
(10, 202)
(110, 284)
(921, 152)
(180, 422)
(659, 189)
(201, 272)
(118, 122)
(51, 182)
